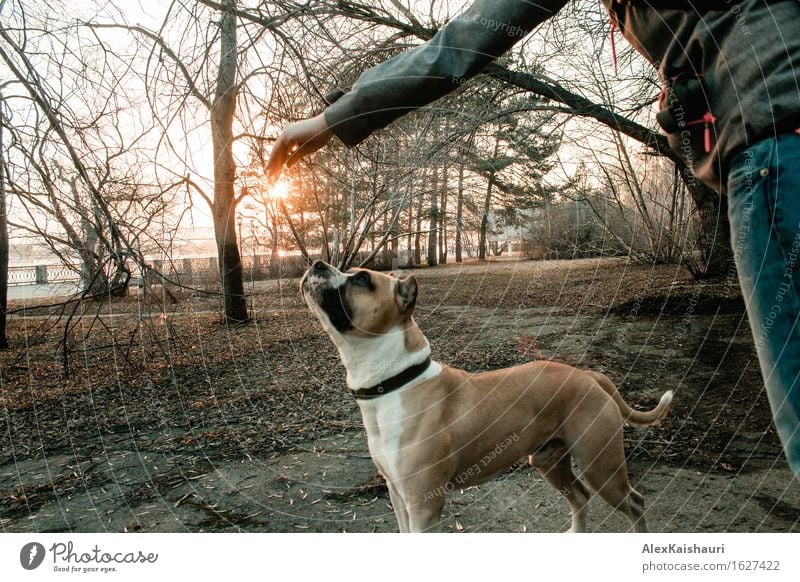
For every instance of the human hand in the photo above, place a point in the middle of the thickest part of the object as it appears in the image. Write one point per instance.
(297, 141)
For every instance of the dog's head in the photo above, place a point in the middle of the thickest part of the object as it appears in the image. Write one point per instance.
(360, 303)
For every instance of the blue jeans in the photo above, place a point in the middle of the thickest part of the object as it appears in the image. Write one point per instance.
(764, 211)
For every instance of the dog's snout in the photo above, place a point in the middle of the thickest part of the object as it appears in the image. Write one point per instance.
(319, 266)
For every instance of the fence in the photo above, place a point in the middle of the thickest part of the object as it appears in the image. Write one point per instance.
(41, 275)
(182, 270)
(190, 271)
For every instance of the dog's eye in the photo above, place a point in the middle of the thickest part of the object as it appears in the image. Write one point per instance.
(361, 279)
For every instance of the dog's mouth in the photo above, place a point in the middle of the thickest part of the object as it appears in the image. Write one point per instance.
(327, 300)
(312, 285)
(312, 282)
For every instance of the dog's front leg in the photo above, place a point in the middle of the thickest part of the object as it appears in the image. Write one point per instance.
(424, 505)
(399, 507)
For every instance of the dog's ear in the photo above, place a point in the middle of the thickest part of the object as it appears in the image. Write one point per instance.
(407, 294)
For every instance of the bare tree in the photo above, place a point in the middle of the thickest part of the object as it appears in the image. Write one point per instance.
(223, 108)
(65, 150)
(4, 250)
(569, 101)
(74, 150)
(184, 71)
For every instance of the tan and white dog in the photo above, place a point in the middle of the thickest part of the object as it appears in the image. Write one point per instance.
(432, 428)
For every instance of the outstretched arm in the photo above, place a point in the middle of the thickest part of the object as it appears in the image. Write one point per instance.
(416, 77)
(421, 75)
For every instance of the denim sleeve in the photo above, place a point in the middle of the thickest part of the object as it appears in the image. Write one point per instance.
(421, 75)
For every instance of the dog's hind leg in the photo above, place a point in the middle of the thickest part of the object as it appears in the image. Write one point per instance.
(605, 471)
(557, 471)
(615, 489)
(636, 501)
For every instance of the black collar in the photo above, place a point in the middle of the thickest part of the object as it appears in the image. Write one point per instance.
(393, 383)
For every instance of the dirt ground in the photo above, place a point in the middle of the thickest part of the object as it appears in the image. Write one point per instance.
(164, 419)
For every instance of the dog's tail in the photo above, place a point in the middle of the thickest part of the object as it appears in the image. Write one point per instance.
(631, 416)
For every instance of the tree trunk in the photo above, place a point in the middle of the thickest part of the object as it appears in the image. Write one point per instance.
(272, 221)
(443, 221)
(3, 241)
(487, 205)
(715, 229)
(335, 245)
(433, 215)
(90, 258)
(459, 213)
(393, 228)
(410, 229)
(409, 238)
(418, 233)
(224, 211)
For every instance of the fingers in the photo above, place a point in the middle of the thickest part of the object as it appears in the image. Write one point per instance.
(297, 141)
(277, 158)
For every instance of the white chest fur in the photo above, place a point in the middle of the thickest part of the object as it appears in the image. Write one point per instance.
(385, 419)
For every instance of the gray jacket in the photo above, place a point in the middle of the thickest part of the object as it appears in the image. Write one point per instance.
(748, 55)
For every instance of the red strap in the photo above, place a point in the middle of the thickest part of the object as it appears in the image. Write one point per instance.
(709, 121)
(662, 98)
(613, 45)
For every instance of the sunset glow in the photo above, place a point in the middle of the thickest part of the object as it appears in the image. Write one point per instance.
(280, 190)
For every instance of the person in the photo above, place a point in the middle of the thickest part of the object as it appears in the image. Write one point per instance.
(731, 108)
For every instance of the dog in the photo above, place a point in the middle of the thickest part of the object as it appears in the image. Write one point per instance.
(432, 428)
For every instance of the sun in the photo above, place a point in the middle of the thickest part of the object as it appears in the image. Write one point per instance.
(280, 190)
